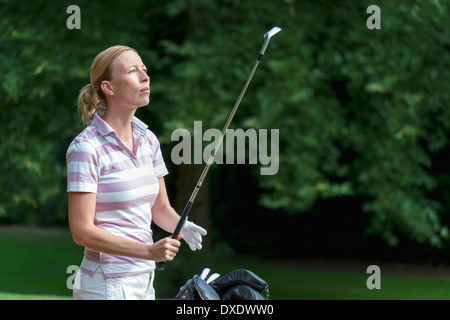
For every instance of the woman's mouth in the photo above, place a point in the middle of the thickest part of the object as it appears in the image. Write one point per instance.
(146, 90)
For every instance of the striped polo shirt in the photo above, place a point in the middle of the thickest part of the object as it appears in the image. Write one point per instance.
(126, 186)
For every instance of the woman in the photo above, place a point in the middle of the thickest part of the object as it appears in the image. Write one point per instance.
(116, 185)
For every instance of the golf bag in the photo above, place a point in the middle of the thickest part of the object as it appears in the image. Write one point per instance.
(240, 284)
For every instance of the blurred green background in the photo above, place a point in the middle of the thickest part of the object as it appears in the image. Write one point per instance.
(362, 114)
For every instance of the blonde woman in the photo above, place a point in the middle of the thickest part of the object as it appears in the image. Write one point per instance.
(116, 185)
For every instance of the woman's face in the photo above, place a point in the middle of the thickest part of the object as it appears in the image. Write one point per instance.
(130, 84)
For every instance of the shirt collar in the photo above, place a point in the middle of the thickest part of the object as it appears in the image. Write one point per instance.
(104, 128)
(139, 125)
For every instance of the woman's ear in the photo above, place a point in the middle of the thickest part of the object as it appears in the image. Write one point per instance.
(107, 88)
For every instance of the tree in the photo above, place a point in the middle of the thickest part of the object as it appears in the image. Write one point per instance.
(361, 112)
(44, 65)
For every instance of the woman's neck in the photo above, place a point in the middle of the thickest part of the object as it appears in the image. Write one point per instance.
(120, 121)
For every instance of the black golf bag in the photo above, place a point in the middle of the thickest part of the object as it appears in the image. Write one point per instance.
(240, 284)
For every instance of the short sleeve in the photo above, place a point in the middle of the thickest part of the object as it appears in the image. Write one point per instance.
(159, 165)
(82, 168)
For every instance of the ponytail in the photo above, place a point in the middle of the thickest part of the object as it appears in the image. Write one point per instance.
(89, 103)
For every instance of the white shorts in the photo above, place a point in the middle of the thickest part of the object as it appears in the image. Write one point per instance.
(97, 287)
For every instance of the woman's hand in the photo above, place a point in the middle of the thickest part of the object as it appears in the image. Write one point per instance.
(165, 249)
(192, 234)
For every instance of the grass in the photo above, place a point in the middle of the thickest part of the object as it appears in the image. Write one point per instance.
(34, 261)
(33, 264)
(17, 296)
(310, 282)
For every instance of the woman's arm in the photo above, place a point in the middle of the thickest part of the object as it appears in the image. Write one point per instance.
(163, 214)
(166, 218)
(85, 233)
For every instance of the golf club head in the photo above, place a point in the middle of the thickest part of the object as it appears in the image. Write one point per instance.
(205, 273)
(212, 277)
(269, 34)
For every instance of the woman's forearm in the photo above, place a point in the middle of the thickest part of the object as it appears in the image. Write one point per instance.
(101, 240)
(163, 215)
(166, 218)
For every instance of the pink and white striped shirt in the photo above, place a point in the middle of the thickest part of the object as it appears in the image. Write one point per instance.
(126, 186)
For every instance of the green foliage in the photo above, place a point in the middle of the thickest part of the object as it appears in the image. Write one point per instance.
(44, 65)
(361, 112)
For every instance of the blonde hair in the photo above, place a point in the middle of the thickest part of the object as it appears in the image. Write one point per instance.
(91, 98)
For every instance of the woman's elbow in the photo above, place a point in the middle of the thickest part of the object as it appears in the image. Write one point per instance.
(79, 236)
(78, 239)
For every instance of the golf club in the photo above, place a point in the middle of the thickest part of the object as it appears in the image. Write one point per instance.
(269, 34)
(205, 273)
(212, 277)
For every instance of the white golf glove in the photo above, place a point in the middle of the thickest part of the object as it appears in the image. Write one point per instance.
(192, 234)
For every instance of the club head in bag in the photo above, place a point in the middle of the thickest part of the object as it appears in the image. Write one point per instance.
(205, 273)
(212, 277)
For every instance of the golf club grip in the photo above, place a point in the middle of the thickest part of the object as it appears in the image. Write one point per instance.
(160, 265)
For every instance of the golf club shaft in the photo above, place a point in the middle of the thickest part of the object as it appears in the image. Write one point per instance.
(185, 214)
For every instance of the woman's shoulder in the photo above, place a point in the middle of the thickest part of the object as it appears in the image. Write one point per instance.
(85, 141)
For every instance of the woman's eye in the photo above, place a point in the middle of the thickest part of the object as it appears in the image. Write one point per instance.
(132, 70)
